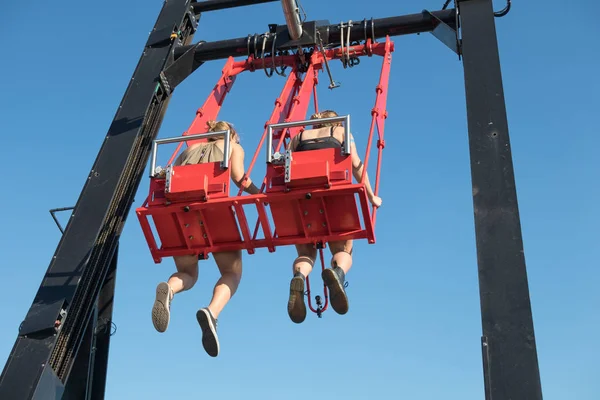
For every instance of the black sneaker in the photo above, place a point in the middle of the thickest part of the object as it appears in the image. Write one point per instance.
(334, 280)
(208, 324)
(296, 306)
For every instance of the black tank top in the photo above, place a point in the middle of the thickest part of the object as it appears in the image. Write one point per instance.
(327, 142)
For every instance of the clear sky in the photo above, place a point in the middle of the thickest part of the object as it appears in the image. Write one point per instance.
(413, 330)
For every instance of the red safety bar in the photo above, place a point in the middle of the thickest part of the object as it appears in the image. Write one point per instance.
(316, 204)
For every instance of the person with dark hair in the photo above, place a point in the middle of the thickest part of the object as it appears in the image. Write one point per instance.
(322, 136)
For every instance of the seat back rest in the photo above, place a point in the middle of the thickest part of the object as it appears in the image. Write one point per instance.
(310, 169)
(197, 182)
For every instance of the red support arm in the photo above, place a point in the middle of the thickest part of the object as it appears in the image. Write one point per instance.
(279, 112)
(300, 104)
(211, 107)
(378, 116)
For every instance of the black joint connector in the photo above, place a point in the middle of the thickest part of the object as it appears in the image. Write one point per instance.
(319, 306)
(193, 21)
(272, 28)
(186, 209)
(308, 196)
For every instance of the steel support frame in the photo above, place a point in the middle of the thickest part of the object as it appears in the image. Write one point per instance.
(65, 326)
(510, 363)
(69, 317)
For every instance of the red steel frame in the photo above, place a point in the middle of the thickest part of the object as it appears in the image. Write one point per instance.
(214, 224)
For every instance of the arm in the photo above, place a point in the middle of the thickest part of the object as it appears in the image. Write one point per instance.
(357, 171)
(237, 170)
(293, 143)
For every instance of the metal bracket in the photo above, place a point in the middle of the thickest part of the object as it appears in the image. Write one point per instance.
(444, 33)
(168, 174)
(56, 220)
(193, 21)
(183, 66)
(43, 319)
(309, 35)
(288, 166)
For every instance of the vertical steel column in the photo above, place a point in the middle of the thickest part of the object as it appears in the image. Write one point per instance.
(97, 385)
(510, 363)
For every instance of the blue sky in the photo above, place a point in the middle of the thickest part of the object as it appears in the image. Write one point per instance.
(413, 330)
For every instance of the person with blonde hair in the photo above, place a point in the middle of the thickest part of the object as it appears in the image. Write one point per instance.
(322, 136)
(228, 262)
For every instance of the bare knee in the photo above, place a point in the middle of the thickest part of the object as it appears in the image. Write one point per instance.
(185, 262)
(230, 264)
(341, 254)
(306, 250)
(187, 265)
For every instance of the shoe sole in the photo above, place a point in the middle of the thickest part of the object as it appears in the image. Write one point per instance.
(160, 311)
(296, 306)
(210, 342)
(337, 295)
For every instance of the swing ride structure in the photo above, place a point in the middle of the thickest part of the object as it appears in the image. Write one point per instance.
(62, 347)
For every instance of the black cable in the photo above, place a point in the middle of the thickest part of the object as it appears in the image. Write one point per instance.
(505, 11)
(497, 14)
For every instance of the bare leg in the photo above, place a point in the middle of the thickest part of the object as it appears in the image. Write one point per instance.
(230, 266)
(303, 265)
(185, 278)
(187, 274)
(334, 277)
(342, 255)
(306, 259)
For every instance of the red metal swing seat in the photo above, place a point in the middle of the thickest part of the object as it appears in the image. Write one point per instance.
(319, 204)
(310, 194)
(182, 209)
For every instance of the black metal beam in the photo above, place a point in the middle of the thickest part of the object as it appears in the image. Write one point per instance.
(103, 332)
(44, 352)
(87, 380)
(330, 34)
(213, 5)
(510, 361)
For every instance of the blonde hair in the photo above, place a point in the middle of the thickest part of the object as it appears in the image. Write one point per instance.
(325, 114)
(215, 126)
